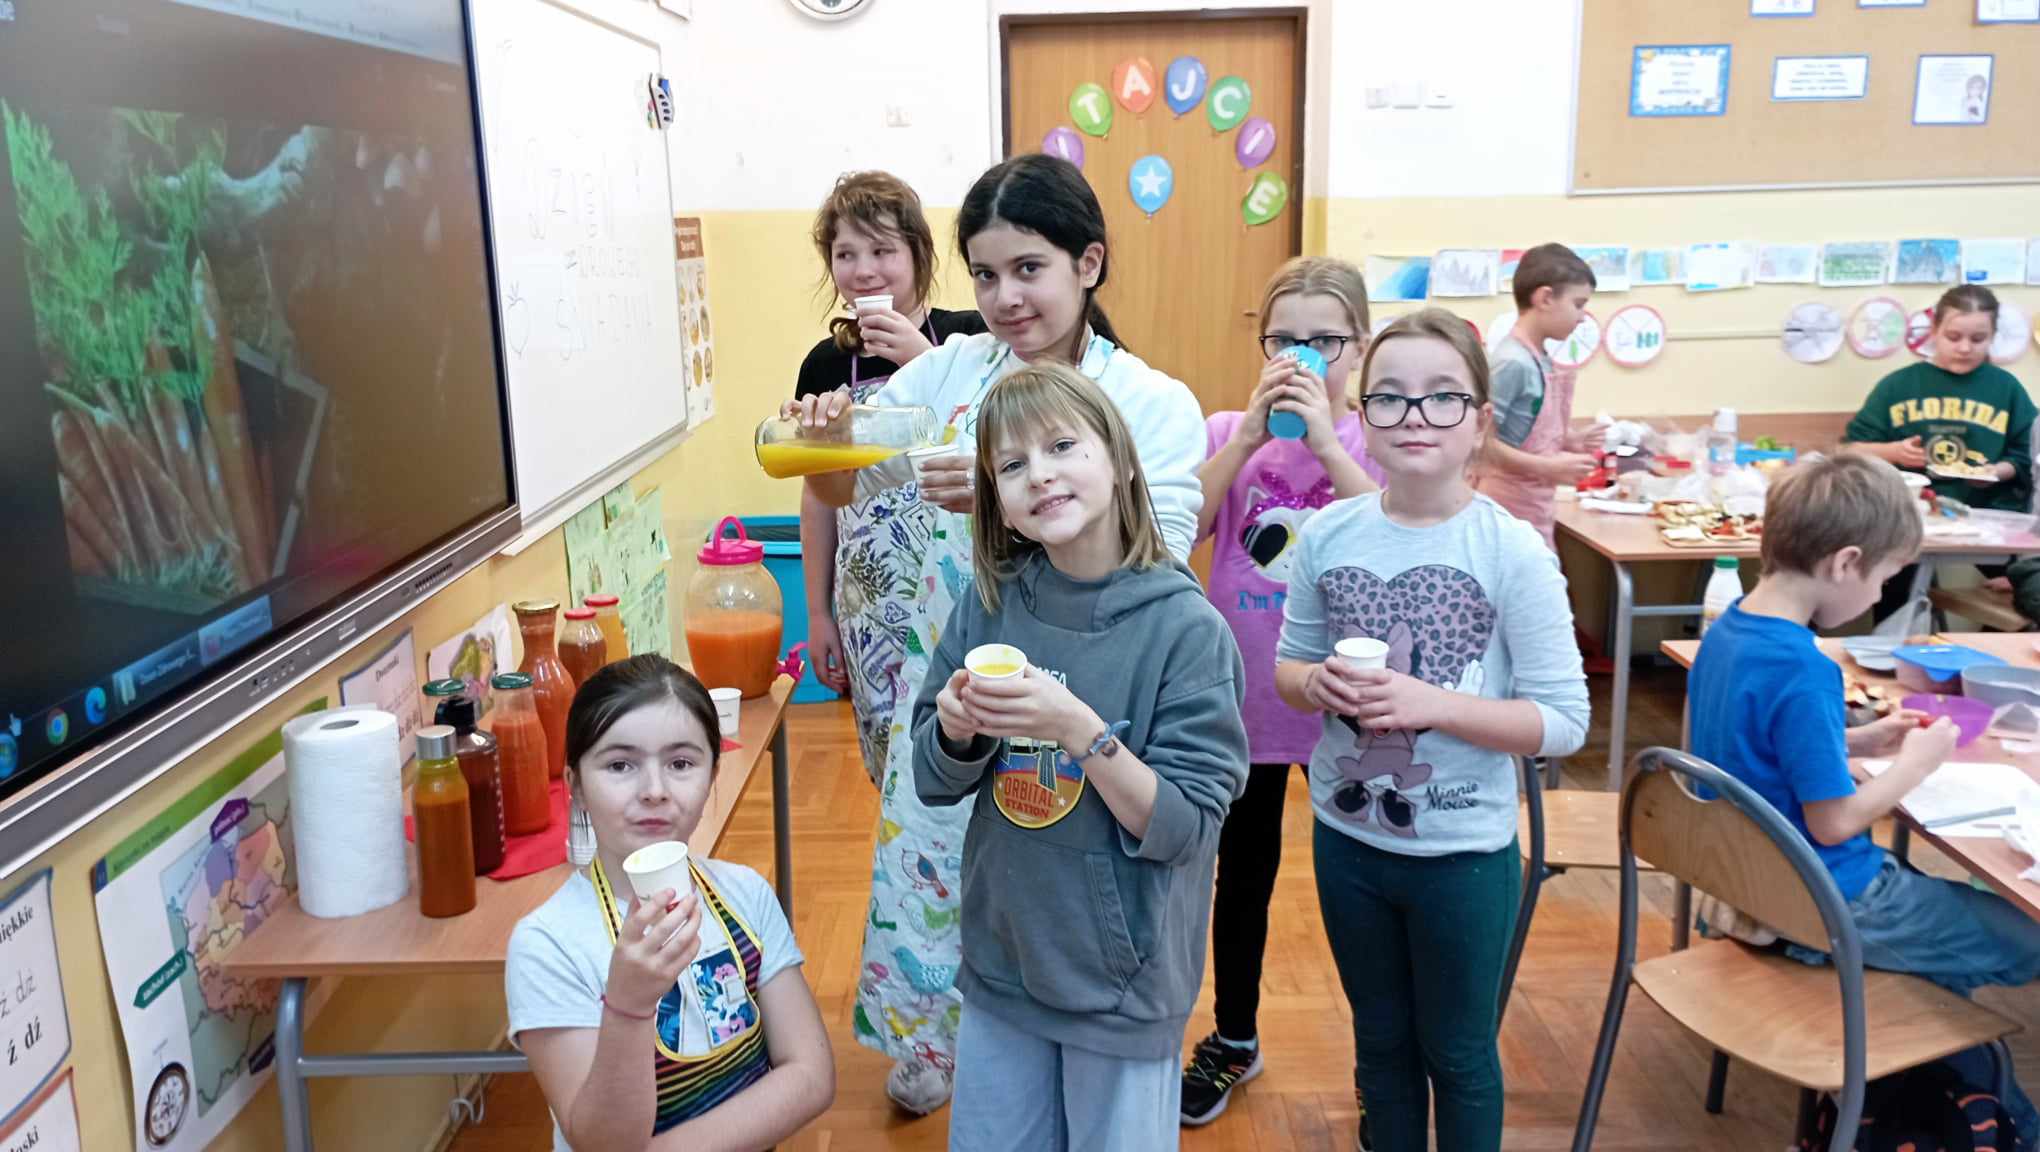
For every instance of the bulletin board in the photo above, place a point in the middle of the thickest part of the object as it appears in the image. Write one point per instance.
(1758, 142)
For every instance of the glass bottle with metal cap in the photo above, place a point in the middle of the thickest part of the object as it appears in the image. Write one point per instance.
(445, 833)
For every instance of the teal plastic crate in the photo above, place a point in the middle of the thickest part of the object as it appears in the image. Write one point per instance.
(781, 537)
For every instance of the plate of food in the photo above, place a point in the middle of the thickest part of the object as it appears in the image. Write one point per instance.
(1720, 529)
(1963, 470)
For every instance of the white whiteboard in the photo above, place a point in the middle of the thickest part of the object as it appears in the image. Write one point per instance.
(582, 210)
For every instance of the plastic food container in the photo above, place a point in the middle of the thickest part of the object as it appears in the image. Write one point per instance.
(1971, 717)
(2000, 684)
(1937, 667)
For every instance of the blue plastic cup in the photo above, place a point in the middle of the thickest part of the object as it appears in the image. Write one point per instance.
(1290, 425)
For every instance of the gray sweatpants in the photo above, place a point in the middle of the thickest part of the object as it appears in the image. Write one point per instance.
(1016, 1092)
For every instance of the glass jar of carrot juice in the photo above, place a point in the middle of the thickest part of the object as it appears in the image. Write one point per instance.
(733, 614)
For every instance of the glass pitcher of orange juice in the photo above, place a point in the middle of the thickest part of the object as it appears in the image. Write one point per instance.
(733, 614)
(862, 436)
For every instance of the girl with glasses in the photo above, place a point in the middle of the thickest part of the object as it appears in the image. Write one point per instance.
(1259, 489)
(1465, 661)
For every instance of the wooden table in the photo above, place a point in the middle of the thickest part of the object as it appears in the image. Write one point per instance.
(1990, 858)
(398, 941)
(1625, 541)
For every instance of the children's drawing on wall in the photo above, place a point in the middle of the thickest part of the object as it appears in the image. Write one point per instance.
(1928, 262)
(1788, 263)
(1657, 267)
(1854, 263)
(1465, 272)
(1398, 279)
(1610, 263)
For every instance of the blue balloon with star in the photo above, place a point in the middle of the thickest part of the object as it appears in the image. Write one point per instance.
(1152, 182)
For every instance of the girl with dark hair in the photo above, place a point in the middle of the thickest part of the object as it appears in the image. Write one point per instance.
(874, 241)
(682, 1021)
(1965, 422)
(1034, 237)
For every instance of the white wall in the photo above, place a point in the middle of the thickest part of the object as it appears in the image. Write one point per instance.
(1508, 67)
(772, 106)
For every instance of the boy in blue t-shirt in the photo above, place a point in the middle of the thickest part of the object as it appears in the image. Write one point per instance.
(1767, 708)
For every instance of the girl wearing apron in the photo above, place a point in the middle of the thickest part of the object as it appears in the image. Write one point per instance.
(682, 1011)
(874, 241)
(1034, 237)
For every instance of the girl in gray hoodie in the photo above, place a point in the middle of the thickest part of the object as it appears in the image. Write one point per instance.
(1102, 772)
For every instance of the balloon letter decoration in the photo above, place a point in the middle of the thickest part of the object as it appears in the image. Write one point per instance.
(1255, 142)
(1184, 82)
(1151, 181)
(1063, 141)
(1133, 84)
(1230, 101)
(1091, 108)
(1265, 198)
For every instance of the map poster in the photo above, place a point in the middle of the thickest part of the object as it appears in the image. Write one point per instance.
(172, 899)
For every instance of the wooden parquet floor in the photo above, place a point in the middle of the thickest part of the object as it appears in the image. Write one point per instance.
(1303, 1101)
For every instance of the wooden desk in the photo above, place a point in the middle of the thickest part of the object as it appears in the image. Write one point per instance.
(396, 940)
(1991, 858)
(1625, 541)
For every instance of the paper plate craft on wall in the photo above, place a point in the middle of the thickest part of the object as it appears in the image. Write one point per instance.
(1151, 182)
(1255, 142)
(1229, 104)
(1813, 333)
(1265, 198)
(2014, 329)
(1636, 336)
(1133, 84)
(1062, 140)
(1091, 109)
(1877, 328)
(1578, 348)
(1183, 84)
(1919, 333)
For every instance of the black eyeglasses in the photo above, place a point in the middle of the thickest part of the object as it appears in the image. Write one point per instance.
(1441, 409)
(1330, 345)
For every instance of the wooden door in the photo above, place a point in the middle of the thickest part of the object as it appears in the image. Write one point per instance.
(1185, 284)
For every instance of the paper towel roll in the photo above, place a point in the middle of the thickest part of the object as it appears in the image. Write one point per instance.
(347, 806)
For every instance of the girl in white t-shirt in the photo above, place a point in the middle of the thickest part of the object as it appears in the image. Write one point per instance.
(675, 1022)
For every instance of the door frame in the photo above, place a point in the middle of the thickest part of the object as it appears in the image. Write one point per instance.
(1298, 15)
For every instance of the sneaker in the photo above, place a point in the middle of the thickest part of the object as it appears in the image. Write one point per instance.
(1215, 1069)
(917, 1088)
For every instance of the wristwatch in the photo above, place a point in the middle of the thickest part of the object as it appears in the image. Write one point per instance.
(1107, 743)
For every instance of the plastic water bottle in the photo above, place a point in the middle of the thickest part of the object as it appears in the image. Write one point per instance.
(1721, 442)
(1724, 587)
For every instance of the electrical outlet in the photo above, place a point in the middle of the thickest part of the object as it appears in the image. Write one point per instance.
(897, 116)
(1407, 94)
(1437, 96)
(1377, 97)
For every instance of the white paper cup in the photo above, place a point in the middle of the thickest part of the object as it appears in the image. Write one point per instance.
(995, 662)
(729, 704)
(919, 457)
(877, 303)
(656, 867)
(1362, 652)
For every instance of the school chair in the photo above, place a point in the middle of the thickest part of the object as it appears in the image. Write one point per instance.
(1557, 830)
(1987, 608)
(1825, 1029)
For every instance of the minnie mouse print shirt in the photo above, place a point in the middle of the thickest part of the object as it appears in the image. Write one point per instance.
(1474, 605)
(1254, 538)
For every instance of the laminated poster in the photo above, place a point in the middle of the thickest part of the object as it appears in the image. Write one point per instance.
(690, 265)
(35, 1024)
(389, 681)
(1679, 80)
(173, 899)
(1803, 79)
(1952, 91)
(47, 1123)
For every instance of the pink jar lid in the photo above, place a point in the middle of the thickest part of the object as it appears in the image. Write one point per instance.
(724, 553)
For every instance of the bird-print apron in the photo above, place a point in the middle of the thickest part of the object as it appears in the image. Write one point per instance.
(907, 1003)
(879, 543)
(1527, 499)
